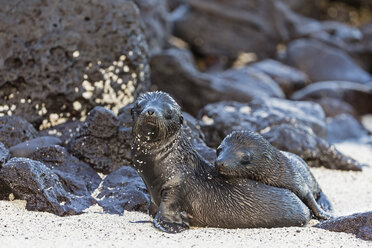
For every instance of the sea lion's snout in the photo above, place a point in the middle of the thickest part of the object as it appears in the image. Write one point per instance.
(151, 112)
(222, 166)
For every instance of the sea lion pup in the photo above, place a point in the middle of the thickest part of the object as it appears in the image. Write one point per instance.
(248, 154)
(186, 190)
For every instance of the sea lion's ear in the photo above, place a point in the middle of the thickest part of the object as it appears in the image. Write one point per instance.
(181, 119)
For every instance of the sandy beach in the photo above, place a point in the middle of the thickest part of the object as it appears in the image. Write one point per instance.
(350, 192)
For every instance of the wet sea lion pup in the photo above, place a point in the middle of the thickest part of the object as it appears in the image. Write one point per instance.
(248, 154)
(186, 190)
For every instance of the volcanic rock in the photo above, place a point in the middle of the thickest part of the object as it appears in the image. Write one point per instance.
(123, 189)
(322, 62)
(344, 127)
(314, 150)
(357, 95)
(359, 224)
(173, 71)
(219, 119)
(14, 130)
(62, 58)
(288, 78)
(43, 189)
(102, 142)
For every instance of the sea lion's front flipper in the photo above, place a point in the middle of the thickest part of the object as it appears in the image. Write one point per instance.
(319, 213)
(169, 217)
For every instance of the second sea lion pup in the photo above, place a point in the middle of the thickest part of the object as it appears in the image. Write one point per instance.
(186, 190)
(248, 154)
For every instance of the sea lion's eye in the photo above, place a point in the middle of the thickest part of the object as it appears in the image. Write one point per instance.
(167, 111)
(246, 159)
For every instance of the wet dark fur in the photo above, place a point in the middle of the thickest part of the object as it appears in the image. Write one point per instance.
(248, 154)
(186, 190)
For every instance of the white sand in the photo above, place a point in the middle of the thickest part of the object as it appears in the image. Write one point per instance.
(350, 192)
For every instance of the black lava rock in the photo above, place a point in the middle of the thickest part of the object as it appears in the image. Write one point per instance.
(289, 79)
(314, 150)
(64, 131)
(359, 224)
(43, 189)
(14, 130)
(357, 95)
(61, 59)
(173, 71)
(24, 149)
(4, 154)
(77, 176)
(344, 127)
(123, 189)
(333, 107)
(102, 142)
(322, 62)
(219, 119)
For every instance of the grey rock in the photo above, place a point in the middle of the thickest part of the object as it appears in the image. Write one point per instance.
(248, 26)
(357, 95)
(14, 130)
(344, 127)
(173, 71)
(314, 150)
(219, 119)
(359, 224)
(154, 14)
(333, 107)
(25, 148)
(64, 131)
(123, 189)
(42, 188)
(4, 154)
(63, 58)
(102, 142)
(4, 189)
(288, 78)
(322, 62)
(77, 176)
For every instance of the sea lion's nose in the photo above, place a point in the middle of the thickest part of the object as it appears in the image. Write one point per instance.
(150, 112)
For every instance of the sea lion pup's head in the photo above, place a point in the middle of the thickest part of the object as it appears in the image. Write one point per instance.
(156, 116)
(244, 153)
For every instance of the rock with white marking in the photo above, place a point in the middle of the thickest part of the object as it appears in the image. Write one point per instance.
(43, 189)
(123, 189)
(219, 119)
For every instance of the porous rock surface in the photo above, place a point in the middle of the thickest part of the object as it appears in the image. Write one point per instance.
(77, 176)
(121, 190)
(15, 130)
(219, 119)
(102, 142)
(60, 59)
(174, 72)
(359, 224)
(43, 189)
(65, 131)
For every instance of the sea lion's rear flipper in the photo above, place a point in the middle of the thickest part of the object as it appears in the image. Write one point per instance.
(324, 203)
(319, 213)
